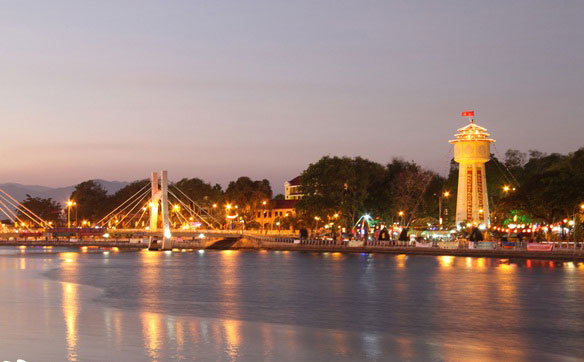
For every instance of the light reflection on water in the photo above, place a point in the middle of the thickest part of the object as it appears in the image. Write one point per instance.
(248, 306)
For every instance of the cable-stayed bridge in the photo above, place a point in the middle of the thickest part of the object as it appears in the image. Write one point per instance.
(158, 212)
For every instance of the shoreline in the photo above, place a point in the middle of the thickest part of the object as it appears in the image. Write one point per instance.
(246, 244)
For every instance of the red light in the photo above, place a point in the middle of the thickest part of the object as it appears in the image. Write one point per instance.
(468, 113)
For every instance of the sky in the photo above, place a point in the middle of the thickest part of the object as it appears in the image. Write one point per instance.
(262, 88)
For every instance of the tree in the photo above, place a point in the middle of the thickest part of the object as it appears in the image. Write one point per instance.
(552, 186)
(343, 186)
(203, 193)
(91, 201)
(47, 209)
(248, 196)
(409, 188)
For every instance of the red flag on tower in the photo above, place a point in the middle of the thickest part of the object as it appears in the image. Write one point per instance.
(468, 113)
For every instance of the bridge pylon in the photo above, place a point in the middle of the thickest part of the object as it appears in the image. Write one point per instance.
(160, 200)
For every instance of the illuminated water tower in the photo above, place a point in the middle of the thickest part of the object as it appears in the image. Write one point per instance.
(472, 151)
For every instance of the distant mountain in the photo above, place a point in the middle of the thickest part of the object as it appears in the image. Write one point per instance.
(59, 194)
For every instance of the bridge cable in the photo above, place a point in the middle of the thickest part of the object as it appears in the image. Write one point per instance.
(122, 204)
(190, 209)
(34, 217)
(137, 202)
(195, 204)
(16, 206)
(13, 214)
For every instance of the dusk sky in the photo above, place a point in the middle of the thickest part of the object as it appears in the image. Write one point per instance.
(221, 89)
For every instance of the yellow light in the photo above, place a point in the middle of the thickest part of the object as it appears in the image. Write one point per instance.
(401, 213)
(214, 205)
(264, 203)
(481, 211)
(151, 204)
(505, 188)
(336, 216)
(176, 207)
(446, 193)
(316, 218)
(582, 206)
(228, 206)
(70, 203)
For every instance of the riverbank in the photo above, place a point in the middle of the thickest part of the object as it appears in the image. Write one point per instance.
(559, 254)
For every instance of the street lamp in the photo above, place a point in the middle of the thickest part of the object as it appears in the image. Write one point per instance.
(444, 194)
(263, 214)
(70, 204)
(401, 214)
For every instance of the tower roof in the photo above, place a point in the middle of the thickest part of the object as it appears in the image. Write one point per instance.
(472, 132)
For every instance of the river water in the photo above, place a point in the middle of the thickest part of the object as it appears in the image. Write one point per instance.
(66, 305)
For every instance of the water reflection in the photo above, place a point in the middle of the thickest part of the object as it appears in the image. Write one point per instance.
(233, 338)
(153, 334)
(70, 304)
(245, 306)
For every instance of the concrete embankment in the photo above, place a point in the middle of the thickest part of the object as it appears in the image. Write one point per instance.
(564, 254)
(250, 243)
(205, 243)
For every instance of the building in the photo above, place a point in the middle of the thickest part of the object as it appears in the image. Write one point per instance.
(275, 211)
(293, 189)
(472, 151)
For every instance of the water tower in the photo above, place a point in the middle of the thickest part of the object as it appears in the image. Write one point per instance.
(472, 151)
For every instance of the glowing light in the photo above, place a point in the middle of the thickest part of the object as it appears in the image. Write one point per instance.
(401, 213)
(201, 251)
(446, 193)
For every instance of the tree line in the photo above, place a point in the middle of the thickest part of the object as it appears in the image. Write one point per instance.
(531, 187)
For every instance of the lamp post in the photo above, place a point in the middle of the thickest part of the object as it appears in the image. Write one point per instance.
(70, 204)
(444, 194)
(401, 220)
(227, 208)
(263, 214)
